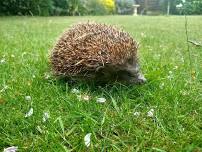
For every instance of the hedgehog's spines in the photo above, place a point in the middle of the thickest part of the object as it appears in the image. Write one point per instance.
(87, 46)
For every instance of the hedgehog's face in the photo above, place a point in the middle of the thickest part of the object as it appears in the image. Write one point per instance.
(131, 74)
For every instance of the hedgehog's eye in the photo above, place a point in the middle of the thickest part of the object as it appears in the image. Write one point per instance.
(130, 61)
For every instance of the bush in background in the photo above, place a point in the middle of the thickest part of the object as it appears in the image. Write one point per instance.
(76, 7)
(25, 7)
(192, 7)
(57, 7)
(95, 7)
(124, 6)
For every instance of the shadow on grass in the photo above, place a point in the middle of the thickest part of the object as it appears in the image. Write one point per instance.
(110, 89)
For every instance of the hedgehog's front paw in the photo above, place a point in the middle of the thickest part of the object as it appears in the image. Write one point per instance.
(141, 78)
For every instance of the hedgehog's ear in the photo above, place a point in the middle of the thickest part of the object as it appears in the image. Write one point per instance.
(130, 61)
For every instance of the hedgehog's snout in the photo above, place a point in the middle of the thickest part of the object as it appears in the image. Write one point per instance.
(138, 78)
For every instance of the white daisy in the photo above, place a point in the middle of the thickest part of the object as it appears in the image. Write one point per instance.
(46, 116)
(87, 139)
(75, 91)
(28, 98)
(2, 61)
(101, 100)
(137, 114)
(11, 149)
(29, 113)
(161, 86)
(150, 113)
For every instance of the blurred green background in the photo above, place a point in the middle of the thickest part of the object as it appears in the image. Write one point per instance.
(99, 7)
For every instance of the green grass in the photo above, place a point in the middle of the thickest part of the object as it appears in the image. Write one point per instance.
(173, 93)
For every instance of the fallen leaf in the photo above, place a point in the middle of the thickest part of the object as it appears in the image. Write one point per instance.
(101, 100)
(5, 87)
(1, 101)
(161, 86)
(86, 97)
(39, 129)
(83, 97)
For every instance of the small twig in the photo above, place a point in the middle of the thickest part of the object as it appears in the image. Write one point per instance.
(195, 43)
(188, 48)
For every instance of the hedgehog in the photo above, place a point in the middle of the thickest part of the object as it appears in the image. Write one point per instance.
(96, 52)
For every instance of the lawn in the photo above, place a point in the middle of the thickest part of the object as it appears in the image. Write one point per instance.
(164, 114)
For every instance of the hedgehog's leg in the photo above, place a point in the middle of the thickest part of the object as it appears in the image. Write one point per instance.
(139, 78)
